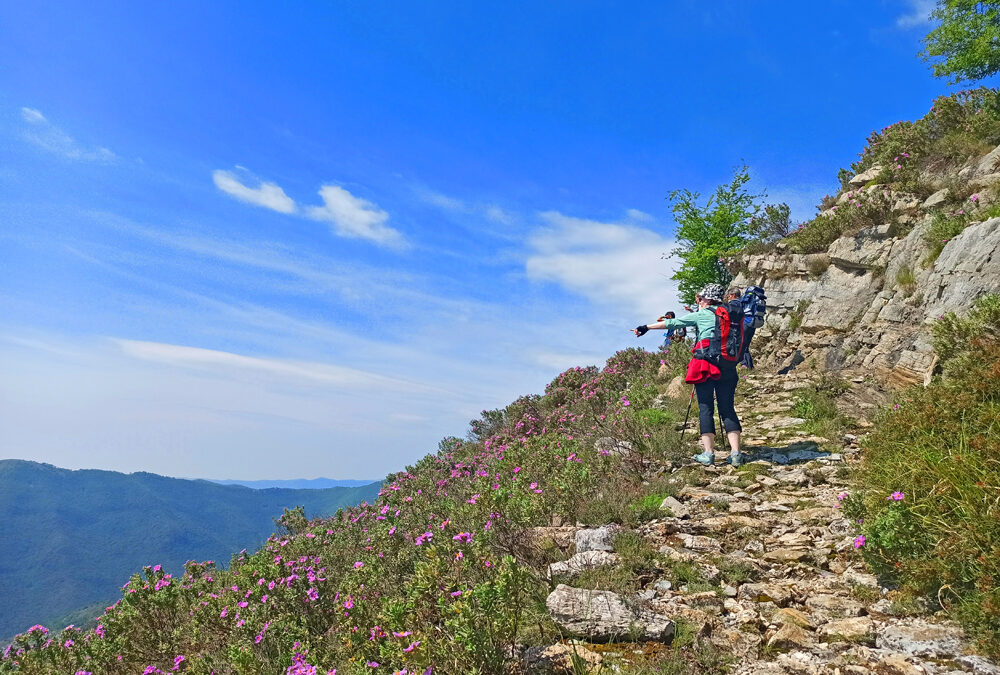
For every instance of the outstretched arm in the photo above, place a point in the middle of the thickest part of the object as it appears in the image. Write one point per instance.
(642, 330)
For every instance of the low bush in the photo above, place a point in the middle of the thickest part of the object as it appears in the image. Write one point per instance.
(927, 492)
(943, 228)
(862, 210)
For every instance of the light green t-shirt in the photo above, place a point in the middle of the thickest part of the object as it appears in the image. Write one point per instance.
(703, 321)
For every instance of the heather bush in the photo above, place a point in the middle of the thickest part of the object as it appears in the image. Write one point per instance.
(862, 210)
(926, 493)
(958, 127)
(435, 574)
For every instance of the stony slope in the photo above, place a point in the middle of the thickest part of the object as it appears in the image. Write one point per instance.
(786, 592)
(864, 305)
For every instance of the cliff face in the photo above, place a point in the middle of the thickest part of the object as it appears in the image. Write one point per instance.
(865, 306)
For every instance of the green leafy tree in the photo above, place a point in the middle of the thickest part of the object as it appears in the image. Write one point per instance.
(966, 42)
(725, 223)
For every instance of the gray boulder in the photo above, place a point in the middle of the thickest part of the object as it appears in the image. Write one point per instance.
(597, 538)
(603, 616)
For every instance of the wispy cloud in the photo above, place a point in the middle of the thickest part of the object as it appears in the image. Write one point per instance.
(51, 138)
(268, 195)
(918, 13)
(355, 217)
(230, 363)
(489, 211)
(613, 264)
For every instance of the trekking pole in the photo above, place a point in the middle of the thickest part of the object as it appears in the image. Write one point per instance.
(687, 416)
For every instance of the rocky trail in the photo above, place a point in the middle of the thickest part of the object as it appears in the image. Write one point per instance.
(772, 575)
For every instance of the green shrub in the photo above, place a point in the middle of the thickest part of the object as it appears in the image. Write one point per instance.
(905, 280)
(797, 315)
(862, 210)
(954, 336)
(927, 492)
(818, 265)
(943, 228)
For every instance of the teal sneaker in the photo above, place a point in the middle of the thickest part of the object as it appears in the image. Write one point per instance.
(737, 459)
(706, 458)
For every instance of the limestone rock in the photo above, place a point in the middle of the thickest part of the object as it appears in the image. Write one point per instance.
(602, 616)
(851, 629)
(676, 507)
(896, 664)
(677, 387)
(787, 555)
(790, 615)
(700, 544)
(830, 607)
(790, 636)
(866, 176)
(921, 638)
(558, 658)
(936, 199)
(581, 562)
(597, 539)
(765, 593)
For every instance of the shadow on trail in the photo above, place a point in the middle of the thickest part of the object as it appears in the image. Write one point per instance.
(799, 452)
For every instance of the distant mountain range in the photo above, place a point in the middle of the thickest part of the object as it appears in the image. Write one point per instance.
(296, 484)
(72, 538)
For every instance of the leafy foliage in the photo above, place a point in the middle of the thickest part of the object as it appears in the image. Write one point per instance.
(725, 223)
(963, 45)
(928, 489)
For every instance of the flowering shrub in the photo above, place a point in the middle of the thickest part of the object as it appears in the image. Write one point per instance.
(928, 489)
(958, 127)
(431, 578)
(861, 210)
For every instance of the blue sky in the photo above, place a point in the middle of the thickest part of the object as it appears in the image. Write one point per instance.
(253, 241)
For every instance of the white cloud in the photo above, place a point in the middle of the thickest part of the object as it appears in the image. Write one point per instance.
(213, 360)
(52, 139)
(919, 13)
(268, 195)
(616, 265)
(498, 215)
(32, 116)
(638, 216)
(443, 201)
(355, 217)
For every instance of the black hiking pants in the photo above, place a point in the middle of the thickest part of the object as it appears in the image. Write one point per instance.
(723, 390)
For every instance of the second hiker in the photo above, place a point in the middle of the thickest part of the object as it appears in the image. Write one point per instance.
(717, 349)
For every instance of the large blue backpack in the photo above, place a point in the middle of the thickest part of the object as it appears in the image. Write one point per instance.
(754, 304)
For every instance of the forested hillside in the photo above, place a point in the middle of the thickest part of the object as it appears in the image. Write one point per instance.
(73, 537)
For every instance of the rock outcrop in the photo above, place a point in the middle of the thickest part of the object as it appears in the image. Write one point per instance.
(867, 303)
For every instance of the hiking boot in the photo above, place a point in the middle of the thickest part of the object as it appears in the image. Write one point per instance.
(706, 458)
(737, 459)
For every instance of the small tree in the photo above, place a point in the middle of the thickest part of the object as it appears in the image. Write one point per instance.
(725, 223)
(774, 223)
(966, 43)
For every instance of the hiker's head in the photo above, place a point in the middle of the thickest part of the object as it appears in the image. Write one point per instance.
(734, 293)
(711, 294)
(669, 315)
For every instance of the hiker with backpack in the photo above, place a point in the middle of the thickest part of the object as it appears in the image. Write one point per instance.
(754, 304)
(718, 346)
(672, 334)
